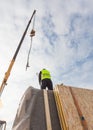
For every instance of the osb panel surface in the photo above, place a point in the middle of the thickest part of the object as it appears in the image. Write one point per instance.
(84, 98)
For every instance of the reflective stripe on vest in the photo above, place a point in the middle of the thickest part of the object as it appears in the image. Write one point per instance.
(45, 74)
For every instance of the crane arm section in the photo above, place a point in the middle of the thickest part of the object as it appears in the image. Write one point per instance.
(4, 82)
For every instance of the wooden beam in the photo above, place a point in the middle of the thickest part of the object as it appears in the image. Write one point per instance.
(60, 109)
(47, 111)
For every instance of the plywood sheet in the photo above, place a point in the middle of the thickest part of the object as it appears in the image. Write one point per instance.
(84, 98)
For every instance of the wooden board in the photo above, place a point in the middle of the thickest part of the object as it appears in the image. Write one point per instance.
(47, 110)
(84, 98)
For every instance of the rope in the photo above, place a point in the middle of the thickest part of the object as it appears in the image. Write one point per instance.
(32, 33)
(27, 65)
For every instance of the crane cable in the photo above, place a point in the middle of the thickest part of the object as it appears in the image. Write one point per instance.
(32, 33)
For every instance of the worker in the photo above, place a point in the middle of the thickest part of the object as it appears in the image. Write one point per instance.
(45, 79)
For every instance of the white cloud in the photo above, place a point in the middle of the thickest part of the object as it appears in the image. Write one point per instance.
(63, 44)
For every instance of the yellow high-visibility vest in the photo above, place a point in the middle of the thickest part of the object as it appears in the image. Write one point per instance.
(45, 74)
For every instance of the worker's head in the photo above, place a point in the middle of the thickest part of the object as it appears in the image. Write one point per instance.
(43, 69)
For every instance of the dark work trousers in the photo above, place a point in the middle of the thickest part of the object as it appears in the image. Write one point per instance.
(47, 83)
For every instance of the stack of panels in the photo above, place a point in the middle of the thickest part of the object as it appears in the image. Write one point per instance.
(31, 111)
(30, 114)
(69, 109)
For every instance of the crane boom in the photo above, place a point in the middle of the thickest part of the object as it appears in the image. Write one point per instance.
(4, 82)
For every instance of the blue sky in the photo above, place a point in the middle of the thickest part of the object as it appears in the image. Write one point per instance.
(63, 44)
